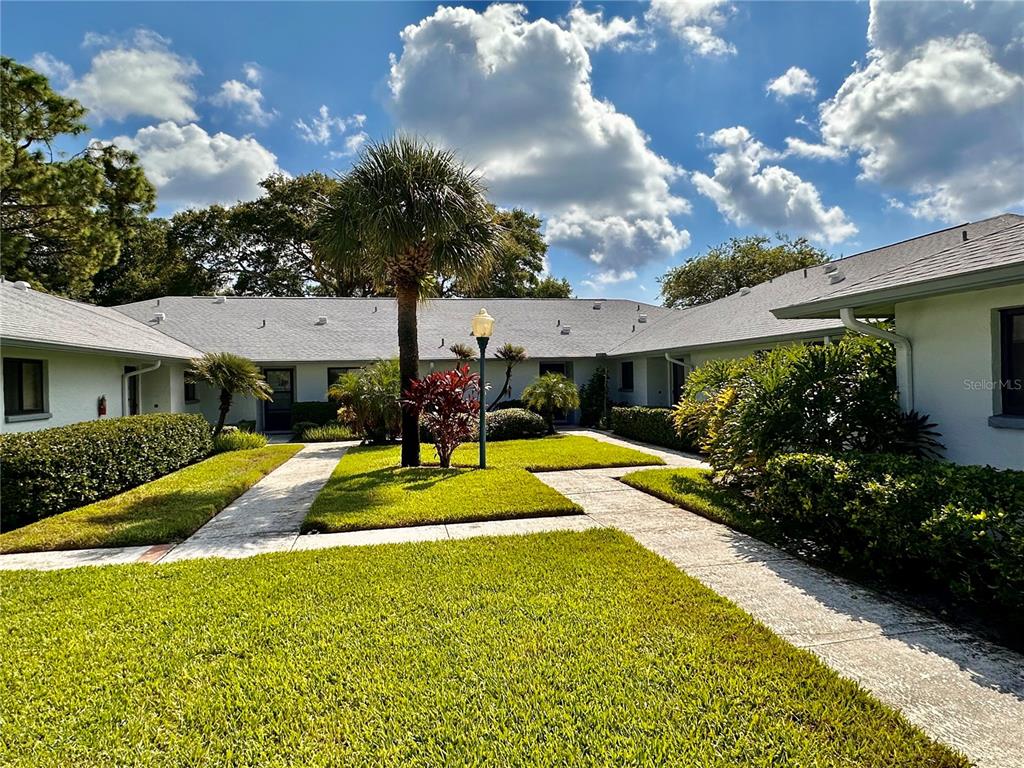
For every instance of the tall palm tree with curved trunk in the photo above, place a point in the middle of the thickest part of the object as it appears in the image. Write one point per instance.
(406, 214)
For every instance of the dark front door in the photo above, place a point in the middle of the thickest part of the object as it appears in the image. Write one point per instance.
(277, 412)
(562, 368)
(678, 380)
(133, 391)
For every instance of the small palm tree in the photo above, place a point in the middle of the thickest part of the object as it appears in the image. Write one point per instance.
(232, 375)
(512, 355)
(408, 214)
(462, 351)
(550, 393)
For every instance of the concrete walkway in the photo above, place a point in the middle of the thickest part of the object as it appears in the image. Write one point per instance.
(961, 690)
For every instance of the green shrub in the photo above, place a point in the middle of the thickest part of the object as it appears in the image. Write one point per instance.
(369, 400)
(821, 399)
(514, 424)
(594, 399)
(504, 404)
(301, 426)
(328, 433)
(649, 425)
(958, 528)
(316, 412)
(238, 441)
(246, 425)
(53, 470)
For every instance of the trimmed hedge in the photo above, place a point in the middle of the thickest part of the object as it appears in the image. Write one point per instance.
(649, 425)
(328, 433)
(316, 411)
(53, 470)
(514, 424)
(920, 521)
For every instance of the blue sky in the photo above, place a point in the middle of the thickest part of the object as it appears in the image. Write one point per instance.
(641, 133)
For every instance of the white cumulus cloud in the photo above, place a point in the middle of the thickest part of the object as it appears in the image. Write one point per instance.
(596, 281)
(746, 189)
(695, 22)
(935, 113)
(324, 127)
(514, 98)
(190, 167)
(800, 148)
(246, 98)
(140, 76)
(594, 32)
(59, 73)
(795, 81)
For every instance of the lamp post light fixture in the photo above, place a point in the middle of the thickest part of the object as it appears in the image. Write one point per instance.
(483, 325)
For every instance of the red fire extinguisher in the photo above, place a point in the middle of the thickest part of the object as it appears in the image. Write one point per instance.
(101, 406)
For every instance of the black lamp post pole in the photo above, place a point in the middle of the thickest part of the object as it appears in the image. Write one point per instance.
(482, 341)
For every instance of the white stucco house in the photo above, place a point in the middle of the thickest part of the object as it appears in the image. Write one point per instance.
(957, 296)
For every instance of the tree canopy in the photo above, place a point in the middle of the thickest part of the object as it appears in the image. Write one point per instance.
(740, 262)
(62, 218)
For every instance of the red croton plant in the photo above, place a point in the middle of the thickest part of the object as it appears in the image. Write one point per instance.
(449, 405)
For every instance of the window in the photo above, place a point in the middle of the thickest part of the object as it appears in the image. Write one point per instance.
(626, 376)
(190, 392)
(1011, 344)
(334, 373)
(23, 387)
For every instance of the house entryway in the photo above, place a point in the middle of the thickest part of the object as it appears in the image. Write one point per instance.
(277, 412)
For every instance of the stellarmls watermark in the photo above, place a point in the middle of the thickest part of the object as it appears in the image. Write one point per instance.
(990, 385)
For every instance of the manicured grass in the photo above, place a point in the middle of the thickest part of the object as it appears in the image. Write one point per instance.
(692, 489)
(369, 490)
(560, 649)
(549, 454)
(164, 510)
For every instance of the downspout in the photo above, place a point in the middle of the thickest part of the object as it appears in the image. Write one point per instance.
(124, 385)
(904, 353)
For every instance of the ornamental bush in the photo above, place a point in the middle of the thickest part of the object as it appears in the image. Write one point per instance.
(549, 394)
(901, 518)
(53, 470)
(237, 440)
(328, 433)
(594, 400)
(369, 400)
(514, 424)
(823, 399)
(448, 403)
(649, 425)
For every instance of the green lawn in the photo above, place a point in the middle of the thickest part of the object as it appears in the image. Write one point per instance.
(692, 489)
(549, 453)
(369, 490)
(168, 509)
(559, 649)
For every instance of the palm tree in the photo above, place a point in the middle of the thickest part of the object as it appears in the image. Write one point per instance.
(512, 355)
(550, 393)
(462, 351)
(232, 375)
(407, 214)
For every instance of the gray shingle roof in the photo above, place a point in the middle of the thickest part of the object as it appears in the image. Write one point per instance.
(739, 318)
(366, 329)
(996, 258)
(39, 318)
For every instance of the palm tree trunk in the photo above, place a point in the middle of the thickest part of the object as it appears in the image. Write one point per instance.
(225, 406)
(408, 366)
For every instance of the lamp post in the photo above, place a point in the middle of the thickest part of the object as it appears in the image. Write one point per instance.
(483, 325)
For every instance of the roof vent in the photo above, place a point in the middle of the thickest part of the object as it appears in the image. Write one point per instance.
(218, 300)
(964, 235)
(830, 268)
(159, 317)
(322, 320)
(597, 304)
(837, 277)
(744, 291)
(21, 285)
(641, 318)
(565, 330)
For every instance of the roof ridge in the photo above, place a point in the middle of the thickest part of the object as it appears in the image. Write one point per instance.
(918, 260)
